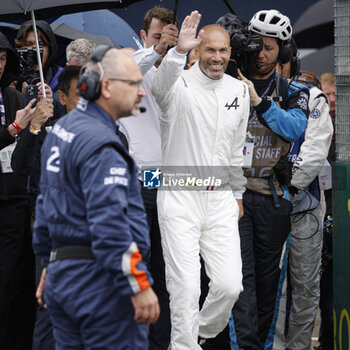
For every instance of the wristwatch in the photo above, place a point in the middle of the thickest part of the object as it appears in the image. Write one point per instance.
(33, 131)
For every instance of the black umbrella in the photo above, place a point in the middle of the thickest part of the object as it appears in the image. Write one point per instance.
(315, 27)
(319, 13)
(320, 61)
(19, 9)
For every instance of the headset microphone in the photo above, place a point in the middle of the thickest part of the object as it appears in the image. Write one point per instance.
(258, 66)
(142, 109)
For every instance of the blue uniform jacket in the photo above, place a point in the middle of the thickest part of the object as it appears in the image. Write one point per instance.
(90, 195)
(290, 123)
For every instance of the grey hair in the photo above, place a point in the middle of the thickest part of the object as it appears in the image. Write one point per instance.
(80, 50)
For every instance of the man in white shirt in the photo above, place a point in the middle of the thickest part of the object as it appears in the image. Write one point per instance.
(143, 135)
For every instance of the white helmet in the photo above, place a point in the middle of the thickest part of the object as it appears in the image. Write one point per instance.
(271, 23)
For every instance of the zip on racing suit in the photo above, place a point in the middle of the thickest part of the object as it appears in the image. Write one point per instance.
(200, 128)
(308, 154)
(266, 221)
(90, 196)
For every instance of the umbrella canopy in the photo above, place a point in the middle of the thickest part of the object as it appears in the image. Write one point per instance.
(315, 28)
(320, 61)
(211, 10)
(62, 31)
(9, 30)
(319, 13)
(18, 9)
(109, 24)
(66, 31)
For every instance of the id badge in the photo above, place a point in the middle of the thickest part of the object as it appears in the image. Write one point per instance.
(248, 150)
(325, 176)
(5, 158)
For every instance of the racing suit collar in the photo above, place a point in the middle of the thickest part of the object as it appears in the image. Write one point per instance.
(203, 80)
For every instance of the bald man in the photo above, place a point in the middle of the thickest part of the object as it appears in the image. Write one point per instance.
(204, 115)
(91, 230)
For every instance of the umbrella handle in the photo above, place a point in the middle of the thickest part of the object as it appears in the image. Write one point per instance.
(174, 20)
(175, 11)
(230, 7)
(38, 54)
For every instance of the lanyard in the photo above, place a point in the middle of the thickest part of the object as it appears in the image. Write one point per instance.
(263, 95)
(2, 110)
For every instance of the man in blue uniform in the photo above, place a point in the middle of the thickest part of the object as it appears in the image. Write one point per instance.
(91, 218)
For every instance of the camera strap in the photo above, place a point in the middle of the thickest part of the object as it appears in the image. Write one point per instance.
(276, 201)
(281, 90)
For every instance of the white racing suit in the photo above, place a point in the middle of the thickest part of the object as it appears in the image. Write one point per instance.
(203, 126)
(307, 231)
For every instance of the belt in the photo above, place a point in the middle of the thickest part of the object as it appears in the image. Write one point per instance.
(72, 252)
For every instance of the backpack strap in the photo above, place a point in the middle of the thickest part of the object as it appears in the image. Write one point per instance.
(281, 90)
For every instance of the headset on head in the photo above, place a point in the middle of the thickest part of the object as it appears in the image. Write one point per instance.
(289, 52)
(89, 83)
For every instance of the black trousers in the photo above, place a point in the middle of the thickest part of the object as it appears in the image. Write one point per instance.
(263, 231)
(17, 286)
(43, 330)
(159, 334)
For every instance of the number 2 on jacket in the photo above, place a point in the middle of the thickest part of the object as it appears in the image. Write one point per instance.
(53, 161)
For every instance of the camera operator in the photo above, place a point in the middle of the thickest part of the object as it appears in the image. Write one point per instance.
(278, 116)
(29, 66)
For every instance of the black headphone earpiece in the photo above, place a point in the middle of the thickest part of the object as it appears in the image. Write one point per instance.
(285, 52)
(295, 61)
(89, 82)
(295, 64)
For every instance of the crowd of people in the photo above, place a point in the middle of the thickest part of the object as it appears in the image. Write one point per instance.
(93, 258)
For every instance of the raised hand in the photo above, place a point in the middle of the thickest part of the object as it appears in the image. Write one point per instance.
(187, 37)
(25, 115)
(169, 37)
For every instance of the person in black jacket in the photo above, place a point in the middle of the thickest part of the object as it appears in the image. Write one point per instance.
(26, 161)
(47, 40)
(17, 299)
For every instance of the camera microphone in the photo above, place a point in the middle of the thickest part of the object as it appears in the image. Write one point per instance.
(258, 66)
(142, 109)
